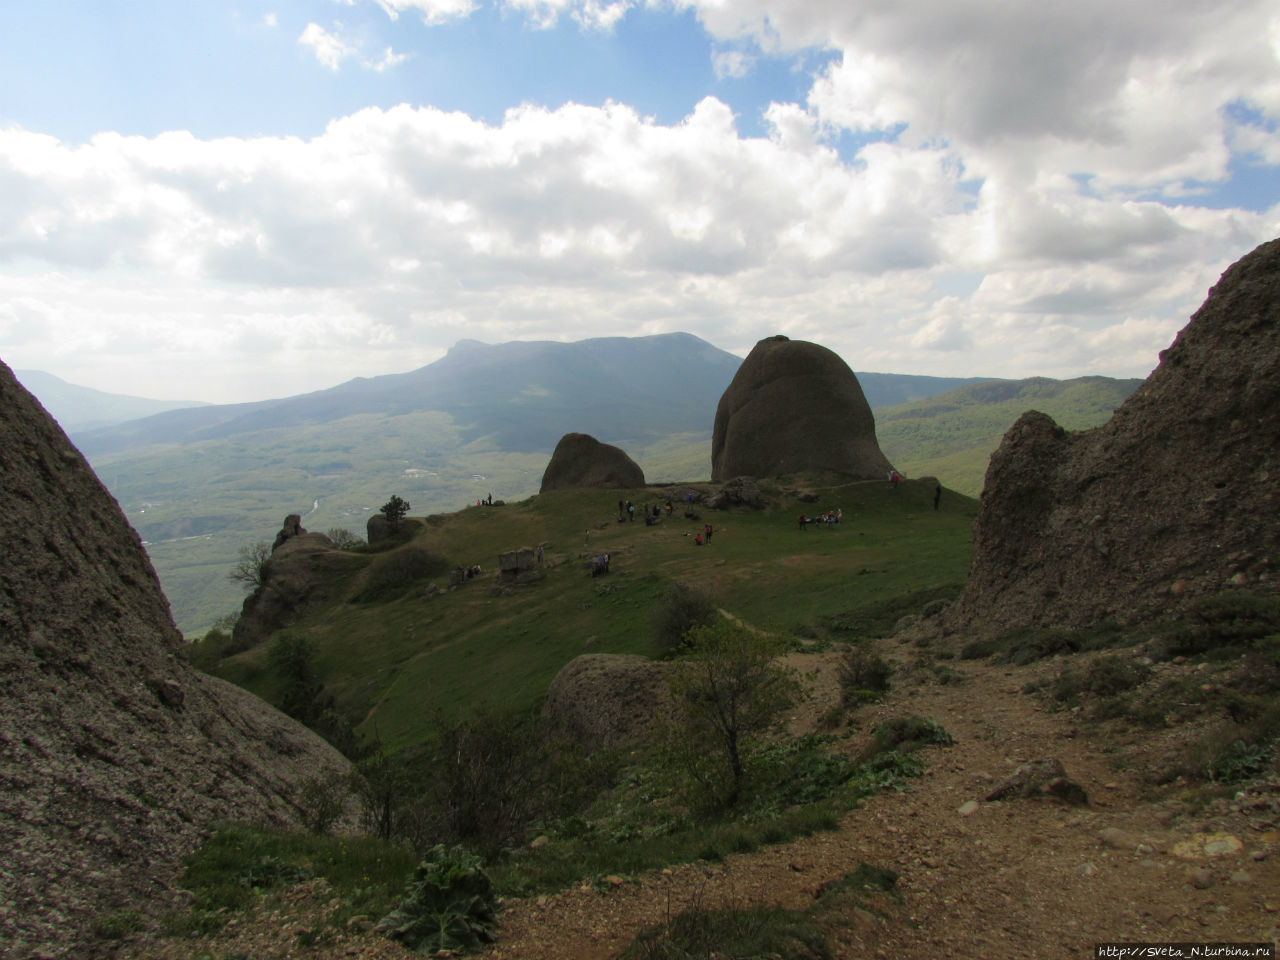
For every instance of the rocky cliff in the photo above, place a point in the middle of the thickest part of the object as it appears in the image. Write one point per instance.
(115, 755)
(1175, 497)
(794, 407)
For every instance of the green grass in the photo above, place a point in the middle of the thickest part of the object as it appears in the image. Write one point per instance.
(238, 863)
(390, 664)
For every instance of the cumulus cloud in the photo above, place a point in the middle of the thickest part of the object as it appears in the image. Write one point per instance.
(431, 11)
(1050, 157)
(333, 47)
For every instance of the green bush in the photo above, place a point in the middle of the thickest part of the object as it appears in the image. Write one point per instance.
(1105, 677)
(681, 609)
(905, 734)
(749, 931)
(391, 574)
(861, 671)
(448, 904)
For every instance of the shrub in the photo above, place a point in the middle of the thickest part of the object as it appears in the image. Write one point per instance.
(905, 734)
(860, 671)
(393, 573)
(681, 609)
(448, 904)
(748, 931)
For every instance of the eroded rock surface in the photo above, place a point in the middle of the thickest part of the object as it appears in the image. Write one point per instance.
(115, 754)
(1175, 497)
(794, 407)
(582, 461)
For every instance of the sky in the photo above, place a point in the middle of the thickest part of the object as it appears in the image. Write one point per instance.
(237, 200)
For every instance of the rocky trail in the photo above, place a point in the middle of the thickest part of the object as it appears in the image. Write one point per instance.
(1026, 877)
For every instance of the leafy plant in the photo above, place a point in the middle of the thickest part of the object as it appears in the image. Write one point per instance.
(448, 904)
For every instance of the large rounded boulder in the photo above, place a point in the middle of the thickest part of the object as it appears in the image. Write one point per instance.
(603, 700)
(581, 461)
(794, 407)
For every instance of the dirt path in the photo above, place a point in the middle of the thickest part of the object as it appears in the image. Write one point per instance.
(1022, 878)
(1027, 878)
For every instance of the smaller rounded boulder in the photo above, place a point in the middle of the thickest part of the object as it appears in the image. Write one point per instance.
(581, 461)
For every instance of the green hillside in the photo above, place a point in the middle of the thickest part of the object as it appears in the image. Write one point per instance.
(953, 435)
(390, 664)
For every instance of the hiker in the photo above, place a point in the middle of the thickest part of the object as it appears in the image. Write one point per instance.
(803, 521)
(697, 539)
(707, 529)
(540, 555)
(895, 478)
(621, 511)
(937, 495)
(631, 511)
(669, 508)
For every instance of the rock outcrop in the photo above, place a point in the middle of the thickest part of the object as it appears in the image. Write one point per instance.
(1175, 497)
(581, 461)
(115, 754)
(303, 568)
(794, 407)
(606, 700)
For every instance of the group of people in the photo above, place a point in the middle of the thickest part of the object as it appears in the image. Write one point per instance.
(627, 511)
(830, 518)
(700, 538)
(600, 565)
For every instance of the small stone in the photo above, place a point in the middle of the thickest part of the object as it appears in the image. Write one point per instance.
(1200, 878)
(1117, 839)
(1242, 877)
(1222, 845)
(1258, 855)
(933, 863)
(1145, 849)
(538, 843)
(968, 808)
(1086, 869)
(614, 880)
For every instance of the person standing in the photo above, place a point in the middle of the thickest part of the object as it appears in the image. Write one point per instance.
(937, 496)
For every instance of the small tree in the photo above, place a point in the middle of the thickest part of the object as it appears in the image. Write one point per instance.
(727, 691)
(251, 569)
(394, 510)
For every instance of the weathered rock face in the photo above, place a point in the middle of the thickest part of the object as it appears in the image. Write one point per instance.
(794, 407)
(114, 753)
(304, 568)
(606, 700)
(1175, 497)
(580, 461)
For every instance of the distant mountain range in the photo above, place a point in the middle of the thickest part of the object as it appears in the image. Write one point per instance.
(79, 408)
(200, 482)
(520, 396)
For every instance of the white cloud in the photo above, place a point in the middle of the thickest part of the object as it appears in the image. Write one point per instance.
(329, 48)
(1051, 157)
(732, 63)
(431, 11)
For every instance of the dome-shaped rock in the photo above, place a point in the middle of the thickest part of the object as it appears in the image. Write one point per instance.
(794, 407)
(580, 460)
